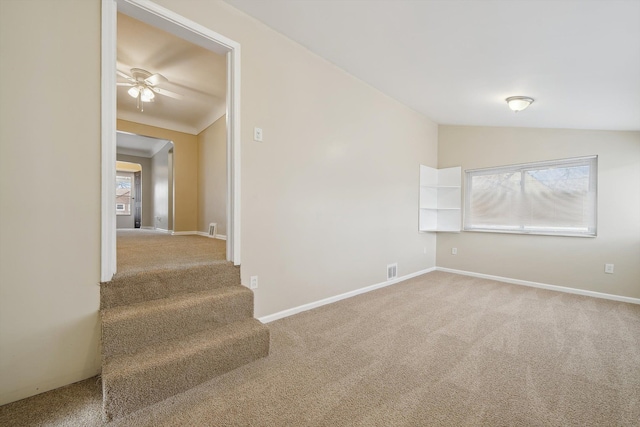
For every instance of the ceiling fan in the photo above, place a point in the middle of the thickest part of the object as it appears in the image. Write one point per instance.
(144, 86)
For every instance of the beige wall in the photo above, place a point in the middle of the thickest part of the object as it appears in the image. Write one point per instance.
(212, 176)
(185, 169)
(564, 261)
(50, 222)
(331, 195)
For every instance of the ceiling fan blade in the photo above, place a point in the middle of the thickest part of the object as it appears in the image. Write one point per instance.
(167, 93)
(126, 76)
(125, 84)
(155, 79)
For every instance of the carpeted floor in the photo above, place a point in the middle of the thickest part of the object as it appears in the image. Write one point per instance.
(141, 250)
(439, 349)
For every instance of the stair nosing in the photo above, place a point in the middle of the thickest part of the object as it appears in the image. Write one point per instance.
(180, 300)
(164, 353)
(164, 270)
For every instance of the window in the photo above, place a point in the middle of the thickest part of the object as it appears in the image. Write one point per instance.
(557, 197)
(123, 195)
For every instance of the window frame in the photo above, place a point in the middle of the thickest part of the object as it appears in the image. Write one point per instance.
(522, 168)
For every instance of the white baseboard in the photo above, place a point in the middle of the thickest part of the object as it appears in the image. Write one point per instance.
(217, 236)
(184, 233)
(162, 230)
(315, 304)
(543, 286)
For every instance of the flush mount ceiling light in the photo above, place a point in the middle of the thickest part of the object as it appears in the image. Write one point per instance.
(519, 103)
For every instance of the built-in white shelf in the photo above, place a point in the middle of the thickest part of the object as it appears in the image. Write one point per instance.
(440, 199)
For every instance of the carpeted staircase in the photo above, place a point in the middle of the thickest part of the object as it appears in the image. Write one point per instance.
(167, 330)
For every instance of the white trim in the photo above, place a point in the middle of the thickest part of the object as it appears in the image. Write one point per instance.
(184, 233)
(217, 236)
(108, 137)
(131, 116)
(165, 19)
(336, 298)
(233, 155)
(162, 230)
(543, 286)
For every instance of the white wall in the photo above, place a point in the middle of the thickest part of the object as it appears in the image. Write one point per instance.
(328, 199)
(331, 195)
(160, 176)
(212, 176)
(573, 262)
(50, 222)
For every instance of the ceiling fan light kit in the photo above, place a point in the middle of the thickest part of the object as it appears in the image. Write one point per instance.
(519, 103)
(143, 86)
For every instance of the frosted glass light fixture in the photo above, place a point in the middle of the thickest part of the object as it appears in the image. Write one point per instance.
(147, 95)
(133, 91)
(519, 103)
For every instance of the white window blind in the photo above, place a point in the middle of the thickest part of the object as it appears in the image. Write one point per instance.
(557, 197)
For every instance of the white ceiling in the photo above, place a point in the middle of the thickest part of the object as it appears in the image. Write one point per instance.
(193, 71)
(138, 145)
(456, 61)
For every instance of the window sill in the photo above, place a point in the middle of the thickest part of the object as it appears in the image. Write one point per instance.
(531, 232)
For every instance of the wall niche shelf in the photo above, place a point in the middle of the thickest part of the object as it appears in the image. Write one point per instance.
(440, 199)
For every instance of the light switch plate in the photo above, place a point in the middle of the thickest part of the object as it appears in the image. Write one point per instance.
(257, 134)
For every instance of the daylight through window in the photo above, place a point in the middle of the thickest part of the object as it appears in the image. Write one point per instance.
(555, 197)
(123, 195)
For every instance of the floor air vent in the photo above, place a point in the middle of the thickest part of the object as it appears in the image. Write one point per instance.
(213, 229)
(392, 271)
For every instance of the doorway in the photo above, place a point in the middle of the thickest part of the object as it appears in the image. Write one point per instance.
(166, 20)
(151, 159)
(126, 197)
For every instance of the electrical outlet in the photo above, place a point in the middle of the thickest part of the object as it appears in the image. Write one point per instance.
(608, 268)
(254, 282)
(454, 251)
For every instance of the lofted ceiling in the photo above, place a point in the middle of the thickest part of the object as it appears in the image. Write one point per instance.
(194, 72)
(456, 61)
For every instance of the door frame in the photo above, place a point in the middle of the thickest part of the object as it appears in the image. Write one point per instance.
(158, 16)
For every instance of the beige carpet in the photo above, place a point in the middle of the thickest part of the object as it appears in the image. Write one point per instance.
(439, 349)
(141, 250)
(173, 317)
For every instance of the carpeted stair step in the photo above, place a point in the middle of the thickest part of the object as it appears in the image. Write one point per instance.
(128, 328)
(162, 283)
(133, 381)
